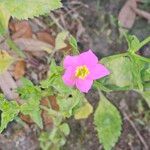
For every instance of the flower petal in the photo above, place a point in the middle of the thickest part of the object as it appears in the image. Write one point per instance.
(84, 85)
(71, 61)
(98, 71)
(88, 58)
(68, 77)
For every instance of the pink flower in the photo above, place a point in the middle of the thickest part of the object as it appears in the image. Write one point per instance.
(81, 70)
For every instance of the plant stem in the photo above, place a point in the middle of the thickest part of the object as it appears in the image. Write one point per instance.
(14, 47)
(144, 42)
(142, 58)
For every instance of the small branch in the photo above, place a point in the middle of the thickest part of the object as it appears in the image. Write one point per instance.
(136, 130)
(56, 21)
(144, 42)
(142, 13)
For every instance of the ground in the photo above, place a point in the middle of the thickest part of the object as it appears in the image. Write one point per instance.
(95, 26)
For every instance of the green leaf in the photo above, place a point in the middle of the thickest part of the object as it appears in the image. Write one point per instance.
(133, 43)
(68, 103)
(32, 108)
(59, 85)
(74, 45)
(55, 71)
(84, 111)
(64, 128)
(137, 65)
(4, 19)
(5, 61)
(145, 72)
(60, 40)
(28, 90)
(108, 123)
(9, 111)
(24, 9)
(121, 71)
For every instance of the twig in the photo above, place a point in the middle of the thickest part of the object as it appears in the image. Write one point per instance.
(142, 13)
(136, 130)
(56, 21)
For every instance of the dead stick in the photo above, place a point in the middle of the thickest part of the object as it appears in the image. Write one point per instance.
(142, 13)
(136, 130)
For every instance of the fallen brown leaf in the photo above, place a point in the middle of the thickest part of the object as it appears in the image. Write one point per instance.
(33, 45)
(8, 85)
(19, 69)
(26, 118)
(21, 29)
(127, 15)
(46, 37)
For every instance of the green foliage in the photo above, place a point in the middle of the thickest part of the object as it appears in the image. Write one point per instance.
(121, 71)
(24, 9)
(28, 90)
(129, 71)
(4, 19)
(56, 138)
(69, 103)
(54, 79)
(133, 43)
(108, 123)
(32, 108)
(64, 128)
(32, 96)
(5, 61)
(74, 45)
(83, 111)
(9, 110)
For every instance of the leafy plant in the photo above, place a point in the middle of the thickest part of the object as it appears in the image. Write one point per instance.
(24, 9)
(108, 123)
(128, 71)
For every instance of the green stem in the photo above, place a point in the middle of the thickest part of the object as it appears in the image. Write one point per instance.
(144, 42)
(142, 58)
(15, 48)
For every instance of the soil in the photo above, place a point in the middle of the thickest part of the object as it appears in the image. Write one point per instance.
(101, 34)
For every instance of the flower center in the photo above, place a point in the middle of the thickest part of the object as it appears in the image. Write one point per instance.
(82, 72)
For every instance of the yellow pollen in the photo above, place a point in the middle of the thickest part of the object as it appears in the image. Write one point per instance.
(82, 72)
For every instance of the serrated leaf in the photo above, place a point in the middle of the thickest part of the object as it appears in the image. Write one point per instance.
(24, 9)
(108, 123)
(60, 40)
(32, 108)
(84, 111)
(5, 61)
(28, 90)
(9, 111)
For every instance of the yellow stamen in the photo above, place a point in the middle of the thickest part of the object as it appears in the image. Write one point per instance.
(82, 72)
